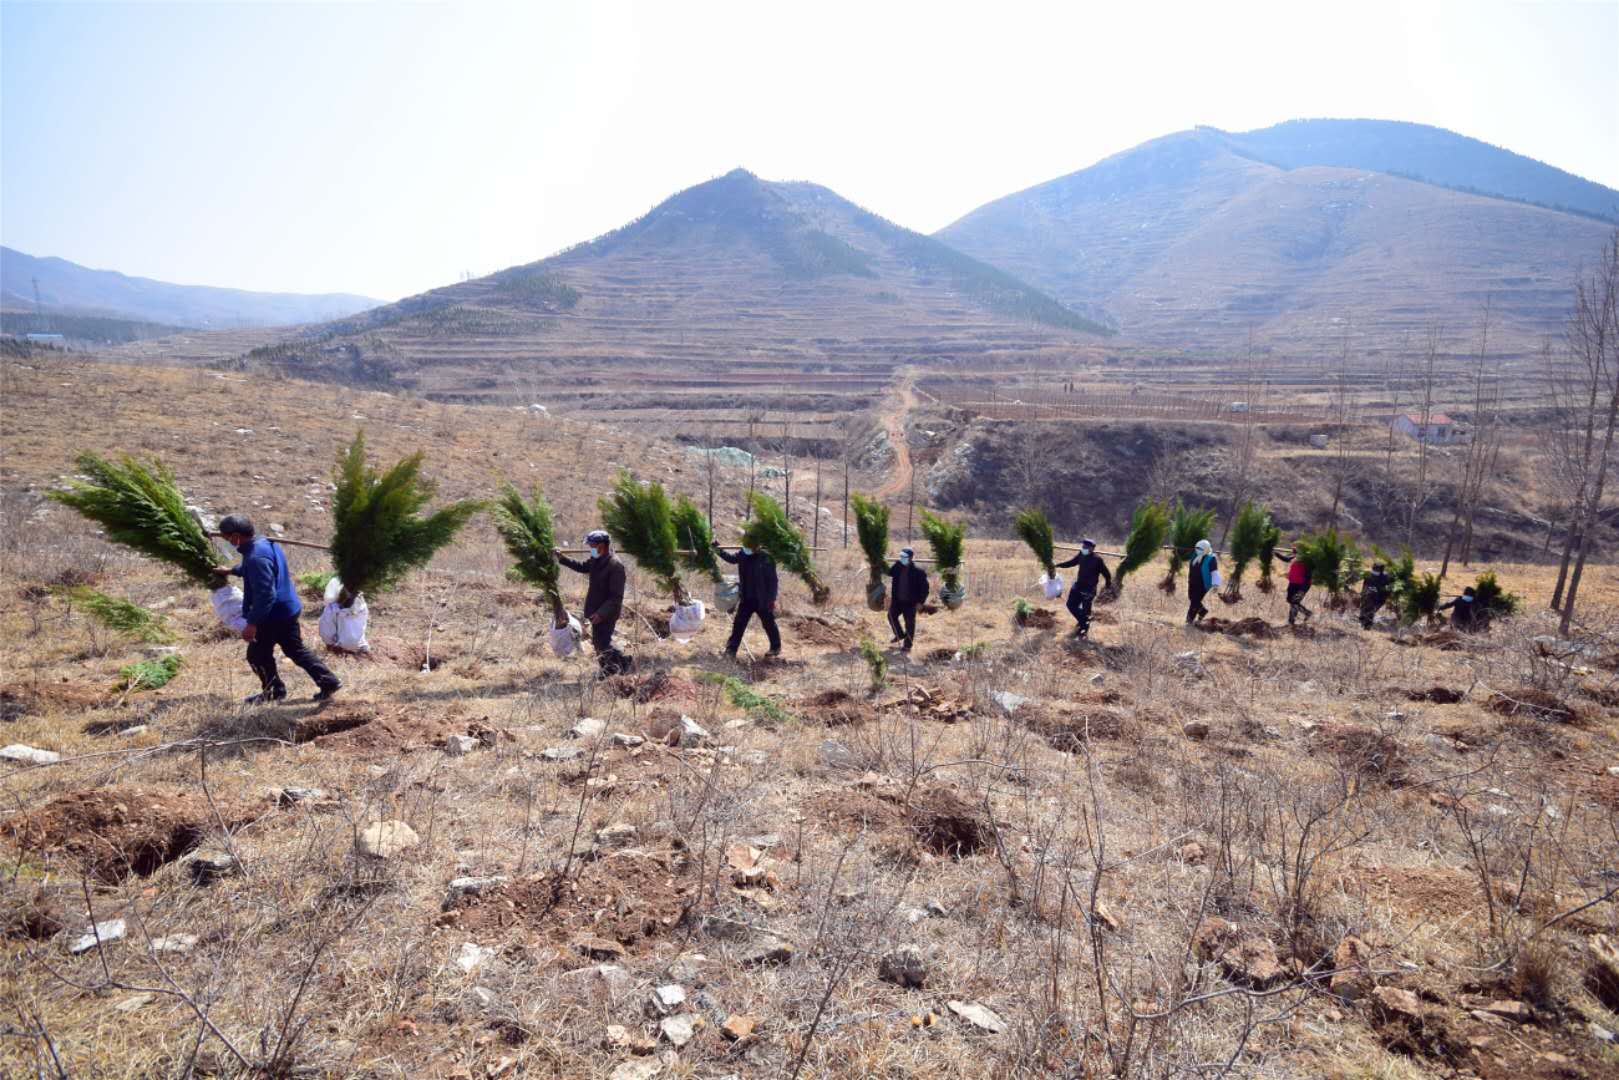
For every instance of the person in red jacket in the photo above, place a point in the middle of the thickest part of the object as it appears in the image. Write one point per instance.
(1298, 583)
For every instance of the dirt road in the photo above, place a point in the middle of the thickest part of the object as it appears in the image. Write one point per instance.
(893, 419)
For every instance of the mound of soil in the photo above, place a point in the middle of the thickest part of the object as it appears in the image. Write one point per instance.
(364, 727)
(936, 819)
(657, 620)
(1364, 751)
(819, 630)
(35, 699)
(1535, 704)
(834, 708)
(630, 897)
(1036, 619)
(653, 688)
(1069, 732)
(1438, 695)
(1252, 626)
(113, 832)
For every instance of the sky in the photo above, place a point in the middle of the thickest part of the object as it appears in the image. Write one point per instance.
(385, 149)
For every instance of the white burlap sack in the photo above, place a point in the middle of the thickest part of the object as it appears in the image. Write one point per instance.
(228, 606)
(565, 639)
(1051, 584)
(687, 620)
(344, 627)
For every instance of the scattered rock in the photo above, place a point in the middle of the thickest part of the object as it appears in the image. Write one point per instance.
(688, 734)
(610, 977)
(292, 796)
(27, 755)
(630, 741)
(1353, 979)
(666, 999)
(739, 1026)
(1191, 663)
(1195, 729)
(1245, 958)
(619, 1037)
(773, 955)
(209, 867)
(599, 948)
(562, 753)
(1193, 853)
(638, 1069)
(1008, 701)
(617, 835)
(906, 966)
(460, 745)
(483, 998)
(1398, 1002)
(587, 728)
(679, 1029)
(138, 729)
(937, 910)
(135, 1001)
(174, 943)
(1603, 1035)
(462, 887)
(979, 1016)
(385, 839)
(836, 755)
(1509, 1010)
(111, 930)
(472, 956)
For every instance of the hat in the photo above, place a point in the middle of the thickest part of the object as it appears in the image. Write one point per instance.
(1087, 542)
(236, 523)
(597, 536)
(908, 553)
(1205, 546)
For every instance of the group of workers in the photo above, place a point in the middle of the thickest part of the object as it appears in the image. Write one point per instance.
(270, 604)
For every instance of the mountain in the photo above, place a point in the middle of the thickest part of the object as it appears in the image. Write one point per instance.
(734, 272)
(73, 290)
(1194, 238)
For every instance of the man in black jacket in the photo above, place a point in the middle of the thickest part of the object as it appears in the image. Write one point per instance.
(908, 591)
(1464, 613)
(1091, 567)
(1374, 593)
(756, 595)
(604, 599)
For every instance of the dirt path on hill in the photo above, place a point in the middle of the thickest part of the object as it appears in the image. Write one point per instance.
(893, 420)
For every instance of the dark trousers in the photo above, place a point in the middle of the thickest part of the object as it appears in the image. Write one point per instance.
(1370, 603)
(1079, 606)
(745, 611)
(903, 620)
(286, 634)
(1295, 601)
(608, 658)
(1195, 609)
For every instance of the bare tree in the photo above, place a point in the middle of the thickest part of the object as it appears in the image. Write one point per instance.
(1242, 457)
(1340, 411)
(1419, 494)
(1590, 387)
(1483, 451)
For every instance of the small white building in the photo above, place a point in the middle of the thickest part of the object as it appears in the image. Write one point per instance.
(1439, 429)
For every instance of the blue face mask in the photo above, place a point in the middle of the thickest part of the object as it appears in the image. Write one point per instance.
(1086, 550)
(747, 551)
(905, 560)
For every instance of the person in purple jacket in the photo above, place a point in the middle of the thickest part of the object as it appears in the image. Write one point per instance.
(271, 607)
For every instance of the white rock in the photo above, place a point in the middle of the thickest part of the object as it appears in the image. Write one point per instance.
(631, 741)
(483, 998)
(669, 998)
(979, 1016)
(610, 977)
(28, 755)
(460, 745)
(176, 943)
(1613, 770)
(277, 528)
(111, 930)
(618, 834)
(638, 1069)
(135, 1001)
(1008, 701)
(562, 753)
(679, 1029)
(587, 728)
(385, 839)
(690, 732)
(125, 733)
(470, 886)
(472, 955)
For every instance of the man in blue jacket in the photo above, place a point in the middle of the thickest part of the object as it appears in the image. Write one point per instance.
(271, 607)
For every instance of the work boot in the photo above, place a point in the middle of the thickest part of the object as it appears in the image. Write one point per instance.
(772, 653)
(264, 697)
(327, 693)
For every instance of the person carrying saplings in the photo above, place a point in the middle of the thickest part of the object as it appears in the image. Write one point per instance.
(907, 592)
(604, 599)
(1090, 568)
(1298, 583)
(1201, 573)
(1464, 613)
(1374, 593)
(270, 608)
(756, 595)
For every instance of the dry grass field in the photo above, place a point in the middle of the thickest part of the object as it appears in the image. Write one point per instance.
(1171, 853)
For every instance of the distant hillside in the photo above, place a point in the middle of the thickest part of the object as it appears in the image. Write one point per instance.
(1432, 154)
(77, 290)
(737, 268)
(1194, 238)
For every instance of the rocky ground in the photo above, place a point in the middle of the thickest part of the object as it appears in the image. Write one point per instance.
(1244, 851)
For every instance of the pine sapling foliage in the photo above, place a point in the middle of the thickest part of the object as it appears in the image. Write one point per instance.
(1491, 599)
(139, 506)
(379, 533)
(527, 528)
(1247, 538)
(1149, 524)
(1034, 529)
(696, 539)
(1267, 554)
(948, 540)
(641, 521)
(1186, 528)
(1325, 554)
(770, 531)
(871, 526)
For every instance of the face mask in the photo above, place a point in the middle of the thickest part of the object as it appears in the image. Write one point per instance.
(1085, 550)
(905, 560)
(747, 551)
(1466, 599)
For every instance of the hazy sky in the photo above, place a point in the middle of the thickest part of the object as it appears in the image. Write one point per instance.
(386, 148)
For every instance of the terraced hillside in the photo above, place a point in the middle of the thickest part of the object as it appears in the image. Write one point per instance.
(1191, 240)
(731, 299)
